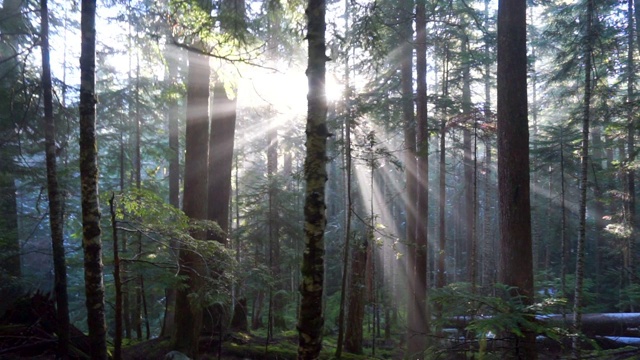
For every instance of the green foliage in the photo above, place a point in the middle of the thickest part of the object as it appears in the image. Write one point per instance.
(488, 316)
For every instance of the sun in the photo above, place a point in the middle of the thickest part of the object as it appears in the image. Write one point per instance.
(283, 90)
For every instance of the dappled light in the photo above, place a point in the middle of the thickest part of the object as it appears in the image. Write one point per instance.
(335, 180)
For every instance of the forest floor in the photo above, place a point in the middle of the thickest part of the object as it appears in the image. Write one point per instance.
(247, 347)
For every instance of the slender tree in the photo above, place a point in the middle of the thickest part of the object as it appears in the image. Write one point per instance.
(584, 169)
(55, 203)
(414, 336)
(348, 198)
(310, 318)
(516, 267)
(631, 147)
(91, 231)
(422, 173)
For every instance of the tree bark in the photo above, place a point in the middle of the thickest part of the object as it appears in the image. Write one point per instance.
(310, 320)
(56, 221)
(91, 231)
(414, 338)
(467, 161)
(631, 148)
(516, 265)
(348, 199)
(188, 317)
(174, 181)
(584, 164)
(422, 204)
(355, 319)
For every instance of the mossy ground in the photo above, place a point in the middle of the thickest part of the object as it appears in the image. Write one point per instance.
(248, 346)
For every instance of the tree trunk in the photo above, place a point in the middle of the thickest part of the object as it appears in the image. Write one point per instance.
(488, 263)
(355, 319)
(631, 149)
(348, 199)
(91, 232)
(310, 318)
(220, 164)
(516, 267)
(584, 164)
(415, 345)
(422, 204)
(56, 220)
(174, 182)
(467, 161)
(188, 317)
(117, 338)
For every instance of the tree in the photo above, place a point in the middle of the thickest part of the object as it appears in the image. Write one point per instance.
(310, 318)
(10, 110)
(414, 335)
(422, 173)
(584, 169)
(188, 312)
(91, 231)
(516, 265)
(55, 204)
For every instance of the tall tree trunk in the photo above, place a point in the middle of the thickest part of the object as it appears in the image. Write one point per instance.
(516, 265)
(10, 257)
(276, 299)
(220, 164)
(348, 198)
(441, 278)
(117, 280)
(55, 204)
(631, 149)
(174, 181)
(406, 69)
(91, 232)
(564, 246)
(188, 316)
(355, 319)
(467, 161)
(422, 204)
(488, 240)
(584, 164)
(310, 317)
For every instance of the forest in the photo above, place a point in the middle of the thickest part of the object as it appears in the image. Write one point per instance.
(319, 179)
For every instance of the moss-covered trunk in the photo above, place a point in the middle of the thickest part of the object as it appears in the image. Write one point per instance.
(310, 320)
(91, 231)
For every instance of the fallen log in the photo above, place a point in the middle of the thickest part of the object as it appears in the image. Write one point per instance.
(28, 329)
(597, 324)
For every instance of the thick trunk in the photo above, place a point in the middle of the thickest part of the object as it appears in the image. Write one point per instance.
(221, 141)
(220, 164)
(516, 267)
(91, 232)
(188, 317)
(310, 319)
(55, 203)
